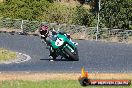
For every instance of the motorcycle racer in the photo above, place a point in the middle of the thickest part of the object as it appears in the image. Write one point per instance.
(47, 35)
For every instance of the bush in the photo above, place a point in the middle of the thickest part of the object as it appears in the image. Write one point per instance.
(113, 14)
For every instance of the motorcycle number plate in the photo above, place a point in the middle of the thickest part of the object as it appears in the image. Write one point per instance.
(59, 42)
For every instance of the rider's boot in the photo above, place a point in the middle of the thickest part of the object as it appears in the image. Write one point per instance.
(52, 55)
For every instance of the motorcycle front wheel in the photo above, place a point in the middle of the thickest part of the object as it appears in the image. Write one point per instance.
(72, 56)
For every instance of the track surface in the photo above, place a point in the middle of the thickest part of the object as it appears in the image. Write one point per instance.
(94, 56)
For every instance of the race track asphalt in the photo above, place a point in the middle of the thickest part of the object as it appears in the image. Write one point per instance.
(94, 56)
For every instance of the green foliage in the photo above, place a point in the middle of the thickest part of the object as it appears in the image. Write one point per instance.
(113, 13)
(84, 17)
(25, 9)
(41, 10)
(59, 13)
(116, 13)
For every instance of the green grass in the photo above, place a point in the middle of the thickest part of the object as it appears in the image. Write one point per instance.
(50, 84)
(6, 55)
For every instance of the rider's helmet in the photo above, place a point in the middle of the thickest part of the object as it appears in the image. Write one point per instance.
(44, 30)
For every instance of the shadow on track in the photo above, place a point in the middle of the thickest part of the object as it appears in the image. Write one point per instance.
(57, 59)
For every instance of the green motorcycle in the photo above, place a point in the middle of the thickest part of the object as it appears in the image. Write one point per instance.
(64, 47)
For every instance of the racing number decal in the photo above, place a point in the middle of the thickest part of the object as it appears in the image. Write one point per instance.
(59, 42)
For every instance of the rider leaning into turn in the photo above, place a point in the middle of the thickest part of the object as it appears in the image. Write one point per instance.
(47, 35)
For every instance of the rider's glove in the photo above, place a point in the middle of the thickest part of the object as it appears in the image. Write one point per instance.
(47, 47)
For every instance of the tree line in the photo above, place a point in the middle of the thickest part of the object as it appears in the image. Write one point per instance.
(113, 13)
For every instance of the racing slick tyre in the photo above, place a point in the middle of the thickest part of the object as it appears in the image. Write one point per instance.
(72, 56)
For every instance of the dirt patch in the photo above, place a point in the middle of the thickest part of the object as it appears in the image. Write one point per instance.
(80, 35)
(129, 40)
(10, 30)
(60, 76)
